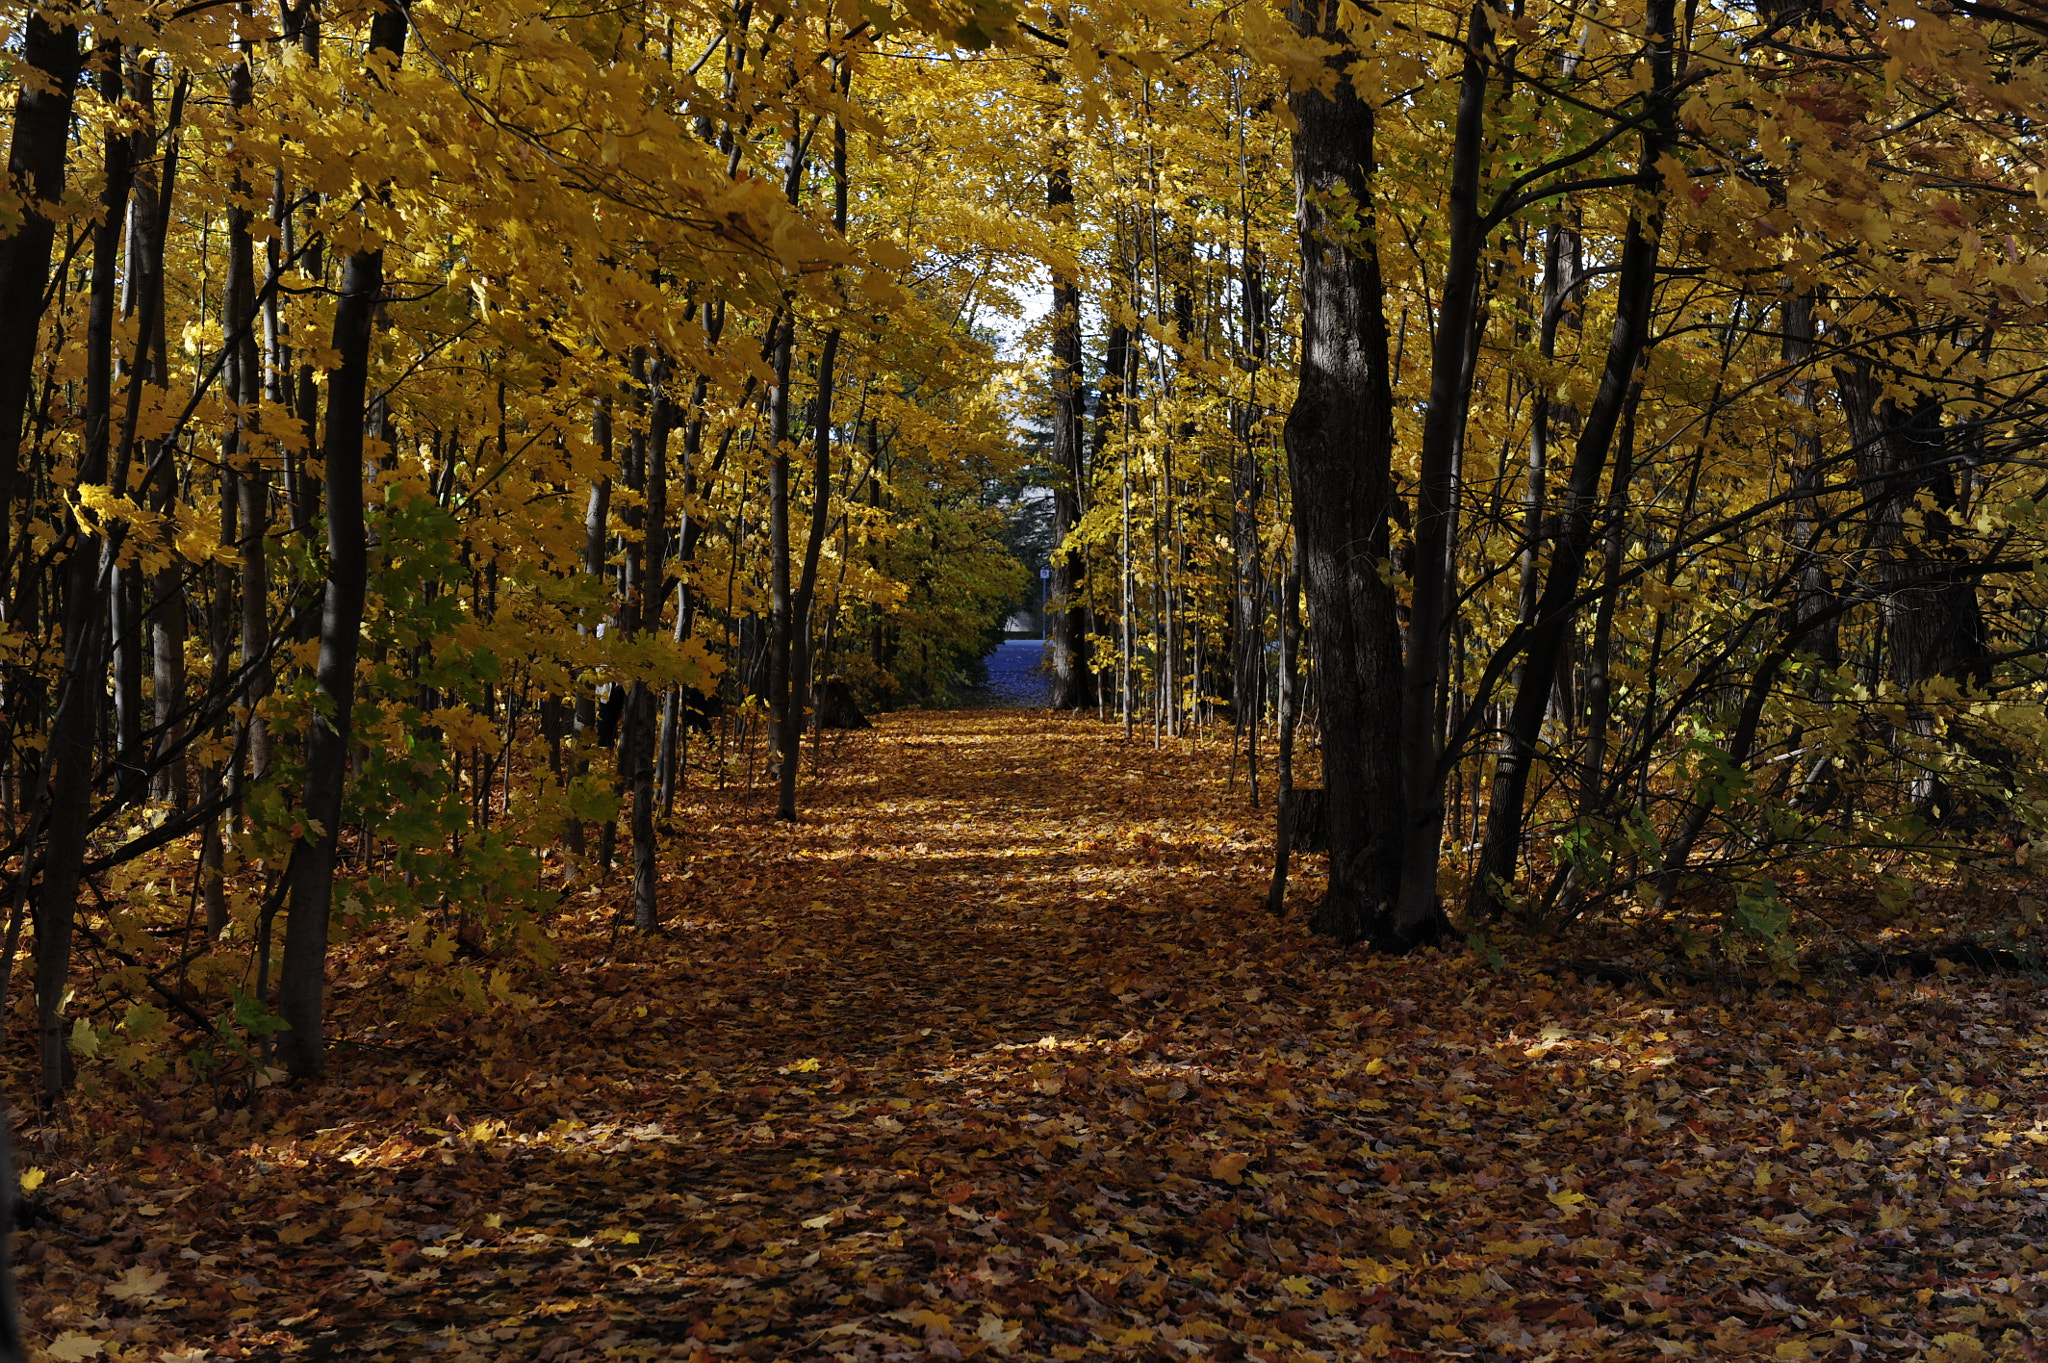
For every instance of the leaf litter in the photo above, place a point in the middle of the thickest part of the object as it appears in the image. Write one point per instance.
(996, 1055)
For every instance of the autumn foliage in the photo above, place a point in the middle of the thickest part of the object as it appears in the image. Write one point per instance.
(1553, 488)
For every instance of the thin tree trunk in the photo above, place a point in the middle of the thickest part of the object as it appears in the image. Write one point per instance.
(71, 745)
(646, 877)
(251, 480)
(1070, 670)
(807, 581)
(142, 301)
(821, 505)
(596, 523)
(1290, 708)
(673, 770)
(302, 979)
(1443, 429)
(633, 568)
(1635, 297)
(1593, 786)
(782, 736)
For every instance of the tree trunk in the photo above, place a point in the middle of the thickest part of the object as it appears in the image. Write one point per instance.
(1339, 439)
(251, 479)
(807, 580)
(1290, 707)
(597, 510)
(1933, 622)
(71, 745)
(690, 529)
(1443, 427)
(647, 610)
(1071, 679)
(302, 979)
(798, 612)
(35, 169)
(1551, 619)
(782, 735)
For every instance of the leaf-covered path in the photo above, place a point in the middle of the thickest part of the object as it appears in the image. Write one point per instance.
(995, 1056)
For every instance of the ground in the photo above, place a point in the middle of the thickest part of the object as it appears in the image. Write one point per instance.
(996, 1055)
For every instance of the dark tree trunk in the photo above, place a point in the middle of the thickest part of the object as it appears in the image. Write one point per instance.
(251, 479)
(220, 629)
(141, 300)
(1248, 578)
(1443, 429)
(1933, 622)
(672, 740)
(798, 613)
(619, 721)
(1547, 636)
(302, 979)
(806, 590)
(597, 512)
(1072, 682)
(647, 612)
(35, 169)
(81, 689)
(782, 734)
(1290, 706)
(1339, 439)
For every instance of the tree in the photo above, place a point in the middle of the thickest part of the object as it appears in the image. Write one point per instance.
(302, 979)
(1340, 455)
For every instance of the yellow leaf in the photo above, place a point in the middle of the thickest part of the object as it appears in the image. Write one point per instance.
(1567, 1199)
(1229, 1168)
(139, 1284)
(32, 1179)
(1956, 1347)
(72, 1347)
(999, 1334)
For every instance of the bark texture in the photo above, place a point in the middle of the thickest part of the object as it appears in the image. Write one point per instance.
(1339, 438)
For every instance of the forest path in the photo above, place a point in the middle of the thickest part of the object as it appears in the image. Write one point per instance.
(994, 1056)
(946, 858)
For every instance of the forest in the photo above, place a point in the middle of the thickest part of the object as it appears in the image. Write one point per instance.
(1532, 849)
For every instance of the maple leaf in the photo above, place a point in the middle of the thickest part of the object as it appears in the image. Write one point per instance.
(139, 1284)
(72, 1347)
(1229, 1168)
(999, 1334)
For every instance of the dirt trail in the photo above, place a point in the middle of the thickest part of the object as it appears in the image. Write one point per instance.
(993, 1056)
